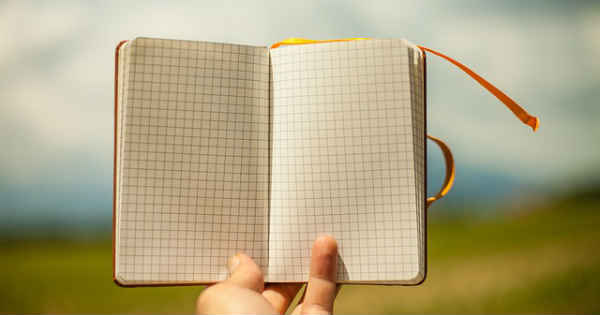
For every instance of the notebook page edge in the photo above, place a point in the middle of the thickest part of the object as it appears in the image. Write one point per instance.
(121, 79)
(418, 110)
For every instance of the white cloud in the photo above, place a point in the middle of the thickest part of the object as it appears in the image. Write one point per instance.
(540, 65)
(57, 85)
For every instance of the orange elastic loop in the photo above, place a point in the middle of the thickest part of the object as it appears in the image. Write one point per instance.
(449, 180)
(521, 113)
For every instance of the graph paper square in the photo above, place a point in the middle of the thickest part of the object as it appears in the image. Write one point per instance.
(224, 148)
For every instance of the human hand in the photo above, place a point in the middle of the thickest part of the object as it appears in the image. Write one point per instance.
(244, 292)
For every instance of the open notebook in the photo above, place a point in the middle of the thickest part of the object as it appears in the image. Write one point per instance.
(222, 148)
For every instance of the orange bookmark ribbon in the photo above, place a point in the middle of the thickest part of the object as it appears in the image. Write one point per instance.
(521, 113)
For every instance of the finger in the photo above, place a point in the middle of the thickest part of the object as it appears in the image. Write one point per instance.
(280, 295)
(245, 273)
(321, 287)
(298, 307)
(301, 300)
(297, 310)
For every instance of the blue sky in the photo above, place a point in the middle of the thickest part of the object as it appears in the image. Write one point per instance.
(56, 91)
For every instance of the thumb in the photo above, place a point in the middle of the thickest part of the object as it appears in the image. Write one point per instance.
(245, 273)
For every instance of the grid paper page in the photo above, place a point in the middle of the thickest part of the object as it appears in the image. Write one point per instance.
(193, 150)
(347, 127)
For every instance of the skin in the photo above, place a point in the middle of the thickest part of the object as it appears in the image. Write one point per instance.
(244, 292)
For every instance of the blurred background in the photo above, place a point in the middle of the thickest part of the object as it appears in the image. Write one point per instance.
(519, 233)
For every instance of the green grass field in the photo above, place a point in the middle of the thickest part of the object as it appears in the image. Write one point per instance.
(546, 260)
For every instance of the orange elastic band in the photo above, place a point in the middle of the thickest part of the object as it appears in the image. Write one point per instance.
(449, 180)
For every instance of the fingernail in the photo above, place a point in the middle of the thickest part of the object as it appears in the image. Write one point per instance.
(232, 263)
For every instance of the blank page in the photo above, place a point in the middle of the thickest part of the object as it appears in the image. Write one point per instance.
(347, 159)
(192, 159)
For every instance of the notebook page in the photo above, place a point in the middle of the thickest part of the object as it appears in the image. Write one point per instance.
(345, 139)
(192, 153)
